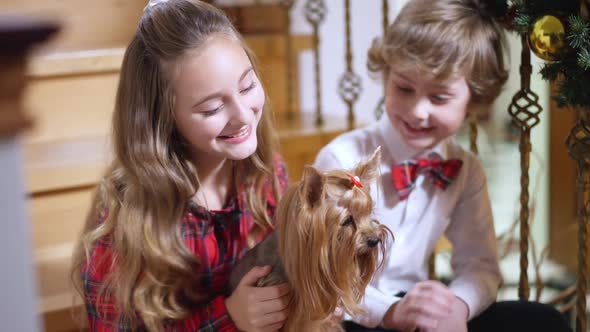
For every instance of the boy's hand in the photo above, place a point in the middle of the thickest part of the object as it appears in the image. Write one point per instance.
(457, 320)
(255, 309)
(425, 306)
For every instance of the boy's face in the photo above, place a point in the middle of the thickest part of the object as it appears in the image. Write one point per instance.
(425, 111)
(219, 101)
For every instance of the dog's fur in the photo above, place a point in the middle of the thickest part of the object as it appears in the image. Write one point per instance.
(325, 245)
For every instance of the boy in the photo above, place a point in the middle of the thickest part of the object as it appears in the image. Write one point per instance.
(439, 60)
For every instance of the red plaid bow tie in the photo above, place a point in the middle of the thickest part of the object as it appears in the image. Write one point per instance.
(443, 172)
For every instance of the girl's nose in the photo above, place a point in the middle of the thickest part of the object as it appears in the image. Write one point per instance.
(241, 113)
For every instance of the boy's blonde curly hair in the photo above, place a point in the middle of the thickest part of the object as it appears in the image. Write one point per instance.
(452, 37)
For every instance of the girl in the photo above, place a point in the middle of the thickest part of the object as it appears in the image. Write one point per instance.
(192, 186)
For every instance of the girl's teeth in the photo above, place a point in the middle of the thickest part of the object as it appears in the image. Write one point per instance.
(240, 133)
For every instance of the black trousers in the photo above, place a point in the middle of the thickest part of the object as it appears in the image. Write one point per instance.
(505, 316)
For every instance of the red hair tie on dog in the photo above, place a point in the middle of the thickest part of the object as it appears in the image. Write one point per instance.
(355, 180)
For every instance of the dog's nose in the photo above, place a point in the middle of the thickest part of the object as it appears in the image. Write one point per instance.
(373, 241)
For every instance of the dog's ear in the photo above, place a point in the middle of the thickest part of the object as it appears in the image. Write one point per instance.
(368, 170)
(312, 189)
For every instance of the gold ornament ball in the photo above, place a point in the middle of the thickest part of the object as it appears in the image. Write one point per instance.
(547, 38)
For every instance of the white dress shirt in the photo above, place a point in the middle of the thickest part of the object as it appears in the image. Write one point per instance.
(462, 212)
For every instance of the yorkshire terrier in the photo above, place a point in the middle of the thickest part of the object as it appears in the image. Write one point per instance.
(326, 246)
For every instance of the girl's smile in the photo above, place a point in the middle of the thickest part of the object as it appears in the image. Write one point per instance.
(219, 102)
(238, 137)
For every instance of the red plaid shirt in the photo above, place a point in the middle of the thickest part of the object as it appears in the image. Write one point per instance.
(218, 238)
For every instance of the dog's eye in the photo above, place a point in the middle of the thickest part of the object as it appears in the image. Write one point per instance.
(349, 221)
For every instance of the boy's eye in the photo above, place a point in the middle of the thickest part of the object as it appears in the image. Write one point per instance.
(439, 99)
(404, 89)
(349, 221)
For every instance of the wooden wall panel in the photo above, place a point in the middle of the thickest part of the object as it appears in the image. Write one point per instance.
(81, 107)
(57, 292)
(65, 165)
(265, 18)
(86, 24)
(57, 219)
(302, 151)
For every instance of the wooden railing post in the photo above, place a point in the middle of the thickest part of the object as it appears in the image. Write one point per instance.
(578, 144)
(18, 280)
(315, 11)
(524, 110)
(349, 85)
(287, 6)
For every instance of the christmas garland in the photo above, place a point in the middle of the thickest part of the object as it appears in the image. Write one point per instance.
(558, 31)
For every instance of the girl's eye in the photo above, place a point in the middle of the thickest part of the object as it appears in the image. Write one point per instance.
(213, 111)
(250, 87)
(349, 221)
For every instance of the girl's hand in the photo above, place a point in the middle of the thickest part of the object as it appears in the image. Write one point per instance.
(338, 314)
(425, 306)
(255, 309)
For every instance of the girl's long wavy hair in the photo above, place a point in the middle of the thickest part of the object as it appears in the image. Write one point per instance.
(143, 196)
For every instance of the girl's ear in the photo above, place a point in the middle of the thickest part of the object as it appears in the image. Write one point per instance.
(312, 190)
(368, 170)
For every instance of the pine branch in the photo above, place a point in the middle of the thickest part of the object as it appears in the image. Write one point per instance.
(579, 35)
(523, 22)
(571, 91)
(551, 71)
(584, 59)
(562, 98)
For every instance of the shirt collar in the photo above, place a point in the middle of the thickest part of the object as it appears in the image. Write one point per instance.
(400, 151)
